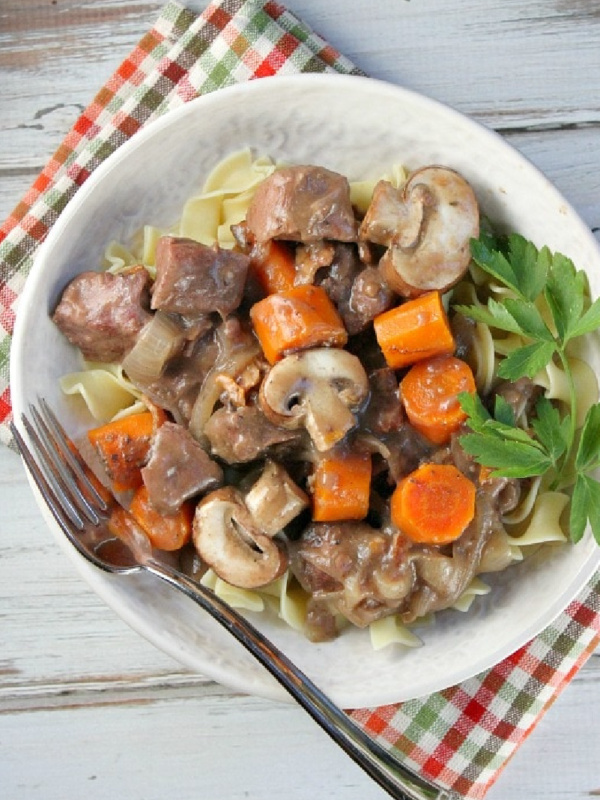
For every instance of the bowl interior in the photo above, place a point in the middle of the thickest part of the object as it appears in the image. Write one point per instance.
(358, 127)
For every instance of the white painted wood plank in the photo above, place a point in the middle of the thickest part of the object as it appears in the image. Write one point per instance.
(216, 746)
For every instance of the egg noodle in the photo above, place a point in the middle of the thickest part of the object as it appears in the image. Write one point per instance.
(207, 217)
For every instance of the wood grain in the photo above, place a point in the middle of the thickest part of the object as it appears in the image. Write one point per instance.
(87, 707)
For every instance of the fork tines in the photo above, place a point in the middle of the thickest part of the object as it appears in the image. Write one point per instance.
(57, 469)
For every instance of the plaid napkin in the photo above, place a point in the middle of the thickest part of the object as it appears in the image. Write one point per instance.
(461, 737)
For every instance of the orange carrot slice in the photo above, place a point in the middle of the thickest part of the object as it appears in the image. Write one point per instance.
(415, 330)
(429, 392)
(341, 487)
(274, 266)
(297, 319)
(165, 532)
(434, 504)
(123, 445)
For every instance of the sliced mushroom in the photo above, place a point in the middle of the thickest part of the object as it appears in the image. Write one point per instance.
(391, 220)
(275, 500)
(318, 389)
(427, 227)
(228, 540)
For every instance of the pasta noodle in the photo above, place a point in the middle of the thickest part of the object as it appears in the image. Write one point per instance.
(544, 524)
(390, 630)
(224, 198)
(104, 389)
(475, 589)
(233, 595)
(554, 381)
(361, 192)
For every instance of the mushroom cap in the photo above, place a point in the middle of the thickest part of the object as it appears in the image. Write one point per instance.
(429, 249)
(318, 389)
(228, 540)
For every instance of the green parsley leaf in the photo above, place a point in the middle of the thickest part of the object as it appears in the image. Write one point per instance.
(588, 322)
(564, 294)
(503, 411)
(529, 264)
(585, 504)
(529, 319)
(508, 458)
(495, 315)
(480, 420)
(526, 361)
(494, 263)
(476, 412)
(550, 428)
(588, 450)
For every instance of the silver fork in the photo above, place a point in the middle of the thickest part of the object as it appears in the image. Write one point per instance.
(82, 515)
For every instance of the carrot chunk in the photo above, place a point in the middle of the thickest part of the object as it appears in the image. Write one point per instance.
(165, 532)
(429, 392)
(273, 264)
(297, 319)
(123, 445)
(415, 330)
(341, 487)
(123, 526)
(434, 504)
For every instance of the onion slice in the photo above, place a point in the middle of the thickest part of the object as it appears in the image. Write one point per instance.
(158, 341)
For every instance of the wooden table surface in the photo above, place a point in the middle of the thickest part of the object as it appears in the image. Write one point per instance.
(87, 707)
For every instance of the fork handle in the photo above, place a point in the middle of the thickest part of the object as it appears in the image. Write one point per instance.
(394, 777)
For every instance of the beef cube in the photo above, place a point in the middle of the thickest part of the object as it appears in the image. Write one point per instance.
(384, 412)
(370, 296)
(303, 204)
(360, 293)
(102, 314)
(193, 278)
(178, 469)
(243, 434)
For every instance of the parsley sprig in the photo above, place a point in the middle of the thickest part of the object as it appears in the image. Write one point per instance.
(547, 305)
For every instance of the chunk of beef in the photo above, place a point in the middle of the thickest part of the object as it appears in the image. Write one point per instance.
(407, 450)
(370, 295)
(360, 293)
(243, 434)
(192, 278)
(384, 412)
(338, 279)
(102, 314)
(178, 469)
(303, 204)
(360, 572)
(310, 258)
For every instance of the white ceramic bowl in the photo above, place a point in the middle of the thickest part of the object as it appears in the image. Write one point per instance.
(358, 127)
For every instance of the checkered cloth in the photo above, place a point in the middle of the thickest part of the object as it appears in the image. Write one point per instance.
(461, 737)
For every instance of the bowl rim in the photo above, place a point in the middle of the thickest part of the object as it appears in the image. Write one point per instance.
(227, 95)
